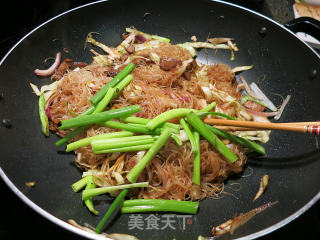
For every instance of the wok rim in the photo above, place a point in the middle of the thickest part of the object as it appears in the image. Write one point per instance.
(89, 235)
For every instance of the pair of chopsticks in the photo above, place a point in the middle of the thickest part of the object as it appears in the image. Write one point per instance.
(234, 125)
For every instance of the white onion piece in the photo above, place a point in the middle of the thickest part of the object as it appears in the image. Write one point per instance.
(47, 90)
(207, 93)
(193, 38)
(155, 58)
(184, 66)
(248, 89)
(48, 94)
(230, 146)
(50, 87)
(245, 115)
(140, 47)
(232, 45)
(128, 40)
(241, 68)
(188, 47)
(140, 155)
(216, 41)
(260, 119)
(35, 89)
(283, 105)
(209, 45)
(183, 136)
(265, 100)
(118, 177)
(50, 70)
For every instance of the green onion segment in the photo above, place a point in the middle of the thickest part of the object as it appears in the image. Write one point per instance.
(89, 202)
(87, 141)
(196, 160)
(121, 75)
(89, 193)
(201, 127)
(159, 205)
(189, 135)
(244, 142)
(98, 117)
(135, 148)
(105, 101)
(43, 115)
(103, 144)
(156, 146)
(111, 209)
(80, 184)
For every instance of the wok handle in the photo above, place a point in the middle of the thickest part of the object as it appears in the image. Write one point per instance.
(307, 25)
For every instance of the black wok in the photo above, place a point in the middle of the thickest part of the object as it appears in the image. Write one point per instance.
(282, 64)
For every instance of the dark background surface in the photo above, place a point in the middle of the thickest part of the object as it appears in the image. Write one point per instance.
(17, 220)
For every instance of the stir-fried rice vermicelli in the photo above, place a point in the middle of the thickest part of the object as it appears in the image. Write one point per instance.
(166, 77)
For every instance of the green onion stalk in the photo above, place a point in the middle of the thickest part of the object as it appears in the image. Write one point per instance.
(175, 113)
(89, 201)
(165, 116)
(119, 199)
(134, 148)
(103, 144)
(209, 107)
(159, 205)
(87, 141)
(43, 115)
(77, 186)
(196, 161)
(105, 100)
(177, 139)
(117, 79)
(189, 135)
(90, 193)
(121, 85)
(242, 141)
(87, 182)
(136, 128)
(157, 145)
(201, 127)
(203, 114)
(194, 139)
(86, 120)
(145, 121)
(141, 123)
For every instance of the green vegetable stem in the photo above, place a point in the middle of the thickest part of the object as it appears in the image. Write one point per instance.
(156, 146)
(86, 120)
(87, 141)
(43, 115)
(118, 78)
(201, 127)
(159, 205)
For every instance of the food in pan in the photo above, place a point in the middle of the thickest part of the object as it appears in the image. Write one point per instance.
(134, 118)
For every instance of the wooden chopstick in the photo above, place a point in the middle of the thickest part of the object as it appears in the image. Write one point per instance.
(234, 128)
(306, 127)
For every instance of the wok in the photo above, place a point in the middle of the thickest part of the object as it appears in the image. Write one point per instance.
(282, 64)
